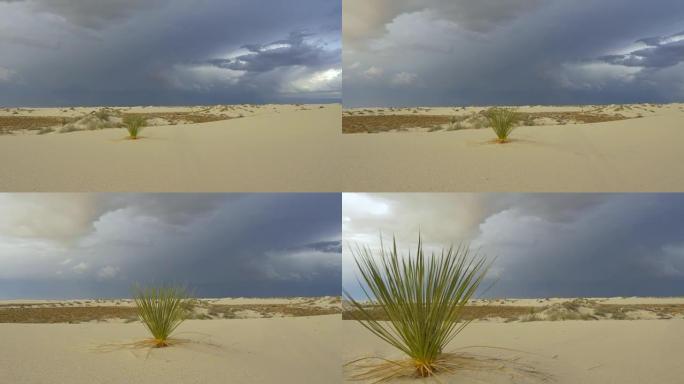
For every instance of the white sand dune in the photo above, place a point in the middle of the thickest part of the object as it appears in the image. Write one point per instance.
(567, 352)
(634, 155)
(278, 350)
(272, 149)
(300, 148)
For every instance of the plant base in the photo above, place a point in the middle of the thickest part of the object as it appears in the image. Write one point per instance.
(379, 370)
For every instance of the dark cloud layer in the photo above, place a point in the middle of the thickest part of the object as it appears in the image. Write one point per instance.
(545, 245)
(122, 52)
(440, 52)
(218, 245)
(661, 52)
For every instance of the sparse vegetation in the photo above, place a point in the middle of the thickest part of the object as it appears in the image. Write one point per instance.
(134, 124)
(423, 299)
(162, 310)
(354, 121)
(455, 123)
(502, 121)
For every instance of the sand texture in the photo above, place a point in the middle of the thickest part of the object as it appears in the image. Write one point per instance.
(278, 350)
(236, 340)
(282, 148)
(568, 149)
(555, 340)
(564, 352)
(268, 148)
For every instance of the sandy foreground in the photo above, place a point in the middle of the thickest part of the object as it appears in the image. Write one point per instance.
(638, 349)
(281, 148)
(265, 148)
(290, 348)
(638, 152)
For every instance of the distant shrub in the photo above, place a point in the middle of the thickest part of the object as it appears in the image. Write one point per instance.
(134, 125)
(502, 121)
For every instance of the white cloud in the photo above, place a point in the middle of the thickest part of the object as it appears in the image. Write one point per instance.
(43, 216)
(298, 265)
(80, 267)
(6, 75)
(108, 272)
(594, 75)
(329, 80)
(354, 65)
(422, 30)
(373, 72)
(201, 77)
(404, 78)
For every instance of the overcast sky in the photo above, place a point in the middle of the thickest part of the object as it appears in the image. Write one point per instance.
(219, 245)
(514, 52)
(545, 245)
(132, 52)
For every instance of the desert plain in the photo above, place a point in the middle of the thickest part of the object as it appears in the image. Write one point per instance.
(237, 340)
(269, 148)
(567, 341)
(589, 148)
(237, 148)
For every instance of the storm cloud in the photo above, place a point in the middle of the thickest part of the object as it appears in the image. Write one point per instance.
(453, 52)
(123, 52)
(99, 245)
(544, 245)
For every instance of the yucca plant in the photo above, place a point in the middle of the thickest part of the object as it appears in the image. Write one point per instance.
(162, 310)
(422, 296)
(502, 121)
(134, 125)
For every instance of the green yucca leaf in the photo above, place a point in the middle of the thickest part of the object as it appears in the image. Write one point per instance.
(502, 121)
(422, 296)
(162, 310)
(134, 124)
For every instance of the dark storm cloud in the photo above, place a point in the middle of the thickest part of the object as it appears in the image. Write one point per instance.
(216, 244)
(72, 52)
(293, 51)
(545, 244)
(661, 53)
(91, 14)
(526, 52)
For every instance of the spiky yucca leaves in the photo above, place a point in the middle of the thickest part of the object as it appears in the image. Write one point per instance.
(162, 310)
(502, 121)
(422, 296)
(134, 124)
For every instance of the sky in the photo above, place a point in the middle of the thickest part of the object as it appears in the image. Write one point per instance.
(542, 245)
(58, 246)
(513, 52)
(169, 52)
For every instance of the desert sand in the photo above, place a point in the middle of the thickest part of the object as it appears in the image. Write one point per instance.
(247, 148)
(269, 148)
(298, 347)
(631, 148)
(644, 347)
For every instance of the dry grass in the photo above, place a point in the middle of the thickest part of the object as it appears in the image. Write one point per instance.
(568, 117)
(65, 314)
(177, 117)
(571, 310)
(470, 312)
(198, 309)
(385, 123)
(45, 124)
(376, 123)
(9, 124)
(270, 310)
